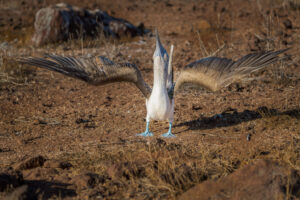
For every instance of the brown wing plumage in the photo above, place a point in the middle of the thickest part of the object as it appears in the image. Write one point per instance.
(214, 73)
(93, 70)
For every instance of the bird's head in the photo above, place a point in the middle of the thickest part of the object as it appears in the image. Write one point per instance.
(160, 56)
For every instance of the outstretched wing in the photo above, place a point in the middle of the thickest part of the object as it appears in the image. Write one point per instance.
(93, 70)
(214, 73)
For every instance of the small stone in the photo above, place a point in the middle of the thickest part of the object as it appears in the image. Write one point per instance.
(30, 163)
(57, 164)
(288, 24)
(187, 43)
(249, 137)
(87, 180)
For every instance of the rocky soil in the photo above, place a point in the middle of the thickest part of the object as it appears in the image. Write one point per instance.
(61, 138)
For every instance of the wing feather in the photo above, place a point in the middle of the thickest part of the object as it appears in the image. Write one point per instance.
(93, 70)
(214, 73)
(170, 69)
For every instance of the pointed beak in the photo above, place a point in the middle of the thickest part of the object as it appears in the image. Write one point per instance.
(159, 50)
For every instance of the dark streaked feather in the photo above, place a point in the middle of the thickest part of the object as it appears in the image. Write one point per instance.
(105, 60)
(170, 82)
(94, 70)
(214, 73)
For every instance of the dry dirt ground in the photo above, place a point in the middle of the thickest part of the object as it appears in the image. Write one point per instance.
(70, 140)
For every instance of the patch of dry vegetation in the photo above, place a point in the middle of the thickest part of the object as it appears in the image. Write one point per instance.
(12, 72)
(148, 170)
(163, 169)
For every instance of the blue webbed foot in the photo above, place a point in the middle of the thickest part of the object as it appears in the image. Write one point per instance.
(168, 135)
(145, 134)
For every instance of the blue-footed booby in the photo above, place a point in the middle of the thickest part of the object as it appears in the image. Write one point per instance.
(212, 73)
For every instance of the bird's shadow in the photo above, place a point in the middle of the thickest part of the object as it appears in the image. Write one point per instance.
(231, 117)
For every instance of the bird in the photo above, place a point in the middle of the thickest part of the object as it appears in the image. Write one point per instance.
(211, 73)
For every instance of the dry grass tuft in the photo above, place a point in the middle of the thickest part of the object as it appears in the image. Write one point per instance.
(156, 169)
(12, 72)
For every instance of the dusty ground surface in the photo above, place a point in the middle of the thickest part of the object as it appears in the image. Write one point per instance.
(86, 134)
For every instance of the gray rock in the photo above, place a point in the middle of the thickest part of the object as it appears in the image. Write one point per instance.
(61, 22)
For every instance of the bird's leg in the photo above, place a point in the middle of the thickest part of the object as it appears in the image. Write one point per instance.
(147, 132)
(169, 133)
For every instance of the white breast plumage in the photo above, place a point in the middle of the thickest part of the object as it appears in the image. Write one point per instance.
(159, 106)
